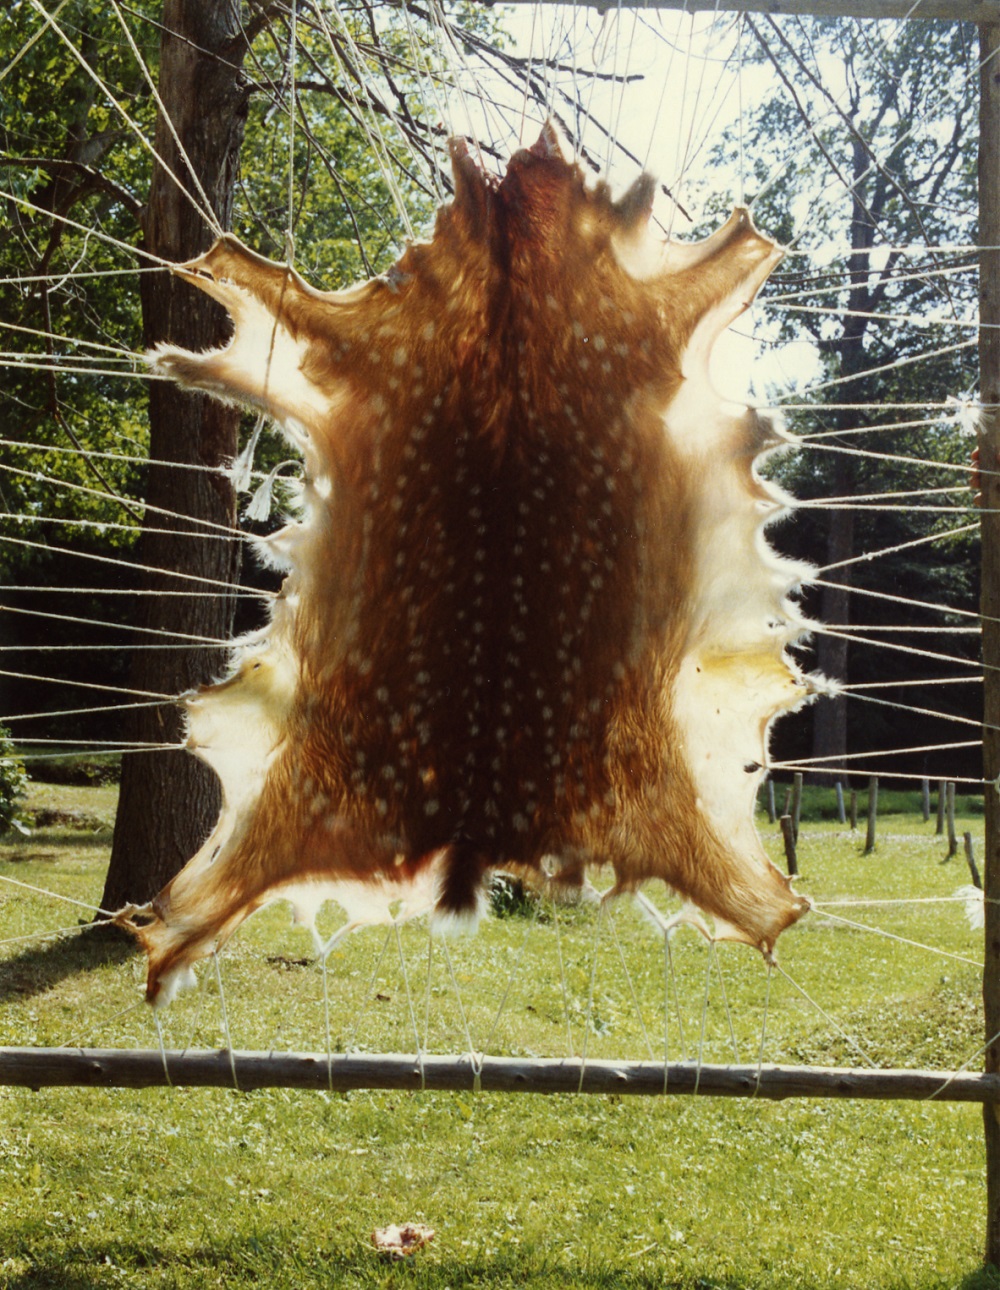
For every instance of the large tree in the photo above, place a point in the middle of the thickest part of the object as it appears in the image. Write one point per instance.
(886, 168)
(204, 101)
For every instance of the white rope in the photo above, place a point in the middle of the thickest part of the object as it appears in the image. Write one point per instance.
(763, 1021)
(60, 366)
(86, 685)
(630, 983)
(293, 14)
(89, 230)
(113, 526)
(818, 762)
(869, 771)
(55, 895)
(915, 683)
(62, 276)
(887, 367)
(903, 940)
(84, 712)
(901, 546)
(916, 320)
(852, 498)
(206, 212)
(66, 649)
(905, 627)
(33, 40)
(220, 472)
(209, 213)
(893, 598)
(907, 649)
(924, 712)
(124, 627)
(40, 478)
(590, 994)
(372, 133)
(132, 565)
(945, 405)
(888, 427)
(824, 1014)
(906, 900)
(244, 593)
(131, 745)
(124, 354)
(225, 1018)
(918, 275)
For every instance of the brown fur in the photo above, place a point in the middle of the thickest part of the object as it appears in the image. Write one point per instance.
(493, 591)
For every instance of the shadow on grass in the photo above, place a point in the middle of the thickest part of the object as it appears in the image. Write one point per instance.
(41, 842)
(36, 970)
(274, 1260)
(985, 1278)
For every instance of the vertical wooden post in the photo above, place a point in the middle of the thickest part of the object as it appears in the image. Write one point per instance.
(872, 814)
(950, 812)
(989, 456)
(925, 799)
(941, 795)
(841, 814)
(796, 802)
(772, 813)
(788, 834)
(970, 856)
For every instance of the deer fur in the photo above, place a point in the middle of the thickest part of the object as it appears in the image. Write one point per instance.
(530, 609)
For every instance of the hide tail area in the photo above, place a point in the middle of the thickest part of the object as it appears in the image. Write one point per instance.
(529, 612)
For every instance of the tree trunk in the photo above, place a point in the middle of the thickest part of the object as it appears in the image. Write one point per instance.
(830, 719)
(830, 716)
(169, 800)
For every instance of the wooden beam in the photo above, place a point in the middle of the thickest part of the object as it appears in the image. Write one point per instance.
(989, 453)
(147, 1068)
(981, 11)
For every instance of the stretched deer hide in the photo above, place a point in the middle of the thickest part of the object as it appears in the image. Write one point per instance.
(529, 610)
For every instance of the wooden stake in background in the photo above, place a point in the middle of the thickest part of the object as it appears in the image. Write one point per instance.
(970, 856)
(788, 834)
(796, 811)
(950, 815)
(872, 814)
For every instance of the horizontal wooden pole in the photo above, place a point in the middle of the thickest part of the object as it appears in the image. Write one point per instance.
(953, 10)
(147, 1068)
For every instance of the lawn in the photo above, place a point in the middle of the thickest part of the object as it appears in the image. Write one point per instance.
(192, 1188)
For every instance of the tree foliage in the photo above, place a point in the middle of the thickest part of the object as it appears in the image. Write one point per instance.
(863, 161)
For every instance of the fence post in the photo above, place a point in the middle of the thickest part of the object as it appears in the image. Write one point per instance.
(989, 460)
(772, 814)
(942, 793)
(872, 814)
(952, 838)
(970, 856)
(841, 814)
(788, 833)
(796, 802)
(925, 799)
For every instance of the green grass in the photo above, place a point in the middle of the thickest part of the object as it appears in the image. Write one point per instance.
(192, 1188)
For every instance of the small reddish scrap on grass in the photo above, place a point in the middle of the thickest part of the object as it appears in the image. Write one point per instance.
(399, 1242)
